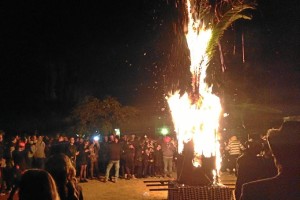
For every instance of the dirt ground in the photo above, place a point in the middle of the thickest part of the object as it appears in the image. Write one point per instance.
(134, 189)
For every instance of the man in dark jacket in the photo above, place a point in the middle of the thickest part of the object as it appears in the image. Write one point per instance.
(114, 155)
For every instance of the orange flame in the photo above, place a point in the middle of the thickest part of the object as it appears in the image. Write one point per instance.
(197, 120)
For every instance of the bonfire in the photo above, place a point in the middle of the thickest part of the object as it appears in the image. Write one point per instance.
(196, 115)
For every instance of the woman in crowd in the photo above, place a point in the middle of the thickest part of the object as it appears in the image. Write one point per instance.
(37, 184)
(83, 159)
(63, 172)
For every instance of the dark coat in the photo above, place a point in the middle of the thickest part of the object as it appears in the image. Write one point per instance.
(279, 187)
(158, 158)
(250, 168)
(115, 150)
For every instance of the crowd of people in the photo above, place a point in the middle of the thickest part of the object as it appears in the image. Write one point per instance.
(132, 157)
(266, 168)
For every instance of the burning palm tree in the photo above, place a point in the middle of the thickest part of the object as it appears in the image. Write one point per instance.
(196, 114)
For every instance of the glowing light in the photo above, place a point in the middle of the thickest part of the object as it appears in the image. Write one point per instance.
(197, 119)
(117, 131)
(96, 138)
(164, 131)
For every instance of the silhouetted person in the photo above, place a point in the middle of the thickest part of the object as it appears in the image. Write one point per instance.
(285, 145)
(59, 146)
(19, 158)
(129, 160)
(114, 155)
(103, 155)
(63, 172)
(252, 166)
(83, 159)
(37, 184)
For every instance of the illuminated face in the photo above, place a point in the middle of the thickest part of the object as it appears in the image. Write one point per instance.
(116, 140)
(105, 138)
(111, 137)
(61, 138)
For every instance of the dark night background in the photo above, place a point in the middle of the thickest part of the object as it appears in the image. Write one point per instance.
(54, 53)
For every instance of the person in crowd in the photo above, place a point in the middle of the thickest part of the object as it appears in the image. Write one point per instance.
(79, 143)
(19, 160)
(123, 143)
(30, 150)
(59, 145)
(139, 161)
(72, 151)
(158, 161)
(63, 172)
(83, 159)
(94, 153)
(129, 161)
(168, 150)
(2, 162)
(151, 166)
(19, 157)
(234, 149)
(285, 146)
(112, 138)
(9, 166)
(114, 156)
(268, 158)
(251, 165)
(146, 156)
(103, 155)
(39, 154)
(37, 184)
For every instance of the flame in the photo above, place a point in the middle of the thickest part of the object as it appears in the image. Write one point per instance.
(197, 120)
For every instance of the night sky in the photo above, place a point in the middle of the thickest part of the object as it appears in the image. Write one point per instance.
(54, 53)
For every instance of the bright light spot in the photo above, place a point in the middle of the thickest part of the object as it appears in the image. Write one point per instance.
(117, 131)
(164, 131)
(96, 138)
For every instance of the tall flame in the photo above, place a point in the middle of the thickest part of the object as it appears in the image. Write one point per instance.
(197, 120)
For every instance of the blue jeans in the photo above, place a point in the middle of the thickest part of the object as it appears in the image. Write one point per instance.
(109, 166)
(168, 163)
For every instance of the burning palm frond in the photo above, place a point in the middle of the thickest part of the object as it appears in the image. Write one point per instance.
(230, 16)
